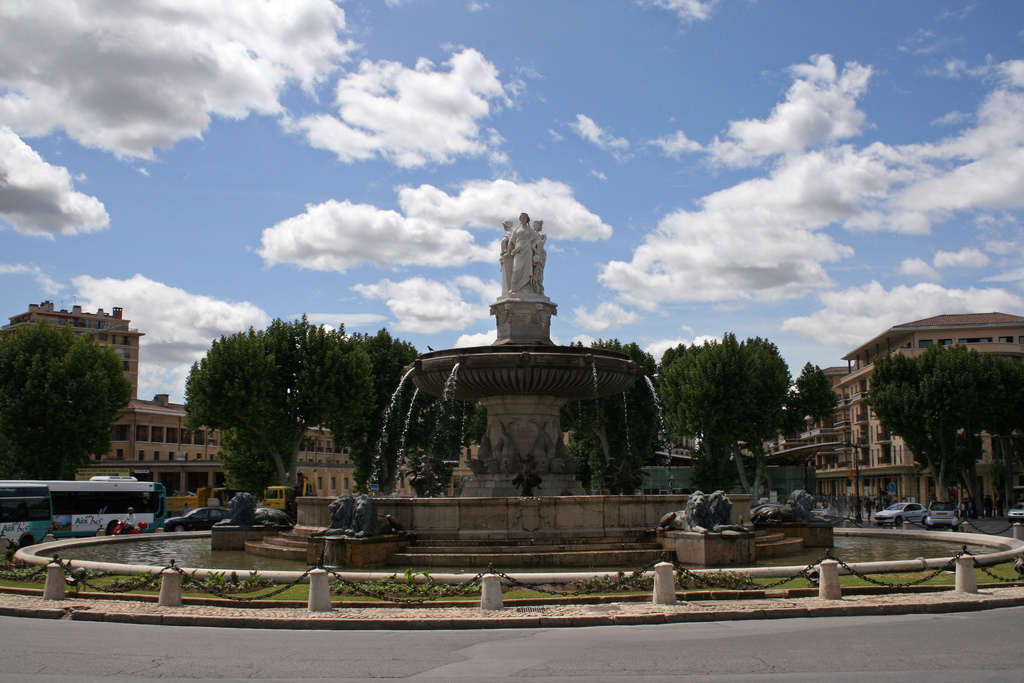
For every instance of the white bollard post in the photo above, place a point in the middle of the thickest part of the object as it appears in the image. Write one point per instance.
(319, 591)
(1018, 531)
(664, 584)
(490, 592)
(907, 525)
(965, 579)
(54, 588)
(828, 581)
(170, 589)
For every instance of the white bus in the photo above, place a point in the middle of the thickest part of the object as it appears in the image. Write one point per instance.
(25, 512)
(81, 508)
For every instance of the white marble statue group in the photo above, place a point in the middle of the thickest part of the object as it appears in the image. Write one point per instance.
(523, 257)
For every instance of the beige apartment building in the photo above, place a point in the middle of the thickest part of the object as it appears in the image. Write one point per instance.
(856, 447)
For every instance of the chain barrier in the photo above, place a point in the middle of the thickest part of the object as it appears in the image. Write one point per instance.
(622, 582)
(1018, 567)
(464, 589)
(951, 564)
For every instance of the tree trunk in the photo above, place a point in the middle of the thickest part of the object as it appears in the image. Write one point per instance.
(742, 469)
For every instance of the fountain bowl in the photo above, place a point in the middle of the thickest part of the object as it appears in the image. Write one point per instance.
(565, 372)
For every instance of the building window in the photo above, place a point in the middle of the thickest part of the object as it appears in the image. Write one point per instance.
(156, 455)
(99, 456)
(200, 438)
(172, 435)
(345, 481)
(946, 342)
(1006, 340)
(924, 343)
(119, 454)
(125, 363)
(333, 483)
(142, 454)
(157, 434)
(101, 336)
(142, 432)
(121, 433)
(976, 340)
(319, 483)
(186, 437)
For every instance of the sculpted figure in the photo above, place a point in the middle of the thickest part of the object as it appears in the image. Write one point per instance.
(242, 511)
(799, 507)
(521, 247)
(704, 513)
(540, 257)
(505, 259)
(353, 517)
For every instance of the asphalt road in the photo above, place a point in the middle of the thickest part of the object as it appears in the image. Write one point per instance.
(977, 646)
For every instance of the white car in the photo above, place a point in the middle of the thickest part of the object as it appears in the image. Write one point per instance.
(941, 513)
(897, 513)
(1016, 513)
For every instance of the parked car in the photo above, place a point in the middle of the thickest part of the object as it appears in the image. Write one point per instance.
(199, 519)
(941, 513)
(897, 513)
(1016, 513)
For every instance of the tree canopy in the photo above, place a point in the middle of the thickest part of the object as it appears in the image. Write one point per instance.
(59, 397)
(940, 402)
(270, 386)
(731, 397)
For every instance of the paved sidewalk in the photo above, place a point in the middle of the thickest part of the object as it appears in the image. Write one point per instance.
(541, 616)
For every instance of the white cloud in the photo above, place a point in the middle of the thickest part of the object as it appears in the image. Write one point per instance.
(349, 320)
(179, 326)
(821, 106)
(916, 267)
(45, 283)
(482, 339)
(763, 238)
(39, 199)
(968, 257)
(411, 117)
(587, 129)
(676, 145)
(128, 77)
(687, 10)
(604, 316)
(853, 315)
(432, 231)
(427, 306)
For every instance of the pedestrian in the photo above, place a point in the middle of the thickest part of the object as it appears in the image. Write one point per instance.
(185, 510)
(988, 506)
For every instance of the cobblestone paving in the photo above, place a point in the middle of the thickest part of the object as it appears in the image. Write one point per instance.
(473, 616)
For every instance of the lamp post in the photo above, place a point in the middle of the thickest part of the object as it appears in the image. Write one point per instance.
(856, 483)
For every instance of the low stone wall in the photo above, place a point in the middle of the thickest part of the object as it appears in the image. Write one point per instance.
(515, 518)
(814, 536)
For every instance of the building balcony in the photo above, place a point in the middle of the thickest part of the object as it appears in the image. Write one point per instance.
(883, 437)
(885, 460)
(862, 418)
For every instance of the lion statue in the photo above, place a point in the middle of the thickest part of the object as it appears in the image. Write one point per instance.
(353, 517)
(799, 507)
(704, 514)
(242, 511)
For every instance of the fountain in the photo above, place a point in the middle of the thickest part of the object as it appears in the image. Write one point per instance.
(523, 380)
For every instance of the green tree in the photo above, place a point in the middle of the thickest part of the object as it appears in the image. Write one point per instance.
(939, 403)
(59, 397)
(730, 397)
(273, 385)
(248, 465)
(811, 396)
(614, 437)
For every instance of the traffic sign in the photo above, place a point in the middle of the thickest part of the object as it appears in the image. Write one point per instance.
(891, 488)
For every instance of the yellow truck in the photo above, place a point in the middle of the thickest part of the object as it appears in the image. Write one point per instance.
(205, 497)
(283, 497)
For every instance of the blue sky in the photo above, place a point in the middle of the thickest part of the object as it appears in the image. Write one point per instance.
(810, 172)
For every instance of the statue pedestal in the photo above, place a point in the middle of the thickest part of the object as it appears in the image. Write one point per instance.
(710, 550)
(234, 537)
(357, 553)
(524, 319)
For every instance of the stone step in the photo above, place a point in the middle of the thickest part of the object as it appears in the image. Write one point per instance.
(279, 552)
(578, 542)
(627, 559)
(787, 546)
(767, 538)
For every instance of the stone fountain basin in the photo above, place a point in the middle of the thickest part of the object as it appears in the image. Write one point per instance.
(526, 370)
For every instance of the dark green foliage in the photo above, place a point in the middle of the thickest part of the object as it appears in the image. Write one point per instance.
(59, 397)
(730, 397)
(248, 465)
(617, 434)
(275, 384)
(812, 396)
(940, 402)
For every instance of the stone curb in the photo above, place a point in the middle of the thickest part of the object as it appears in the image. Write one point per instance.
(949, 606)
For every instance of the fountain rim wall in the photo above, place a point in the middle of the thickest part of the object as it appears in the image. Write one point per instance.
(1008, 548)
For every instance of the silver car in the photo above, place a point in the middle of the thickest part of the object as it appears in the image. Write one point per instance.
(1016, 513)
(941, 513)
(897, 513)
